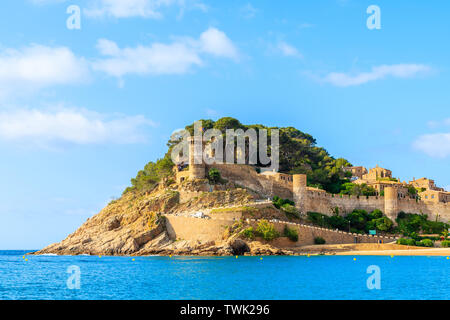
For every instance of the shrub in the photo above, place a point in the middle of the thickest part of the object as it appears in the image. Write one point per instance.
(292, 234)
(401, 215)
(445, 243)
(358, 219)
(279, 202)
(152, 173)
(266, 230)
(425, 243)
(249, 233)
(214, 176)
(433, 227)
(410, 222)
(357, 189)
(319, 240)
(316, 218)
(415, 236)
(384, 224)
(375, 214)
(336, 221)
(406, 242)
(290, 210)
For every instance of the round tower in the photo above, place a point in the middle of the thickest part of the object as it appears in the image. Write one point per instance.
(391, 202)
(196, 163)
(299, 191)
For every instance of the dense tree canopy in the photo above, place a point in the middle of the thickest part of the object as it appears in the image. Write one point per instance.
(357, 189)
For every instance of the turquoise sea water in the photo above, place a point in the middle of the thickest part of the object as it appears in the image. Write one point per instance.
(316, 277)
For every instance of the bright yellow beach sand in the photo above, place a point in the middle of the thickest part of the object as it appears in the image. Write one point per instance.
(371, 249)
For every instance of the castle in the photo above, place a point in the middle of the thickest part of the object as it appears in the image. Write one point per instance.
(391, 197)
(380, 178)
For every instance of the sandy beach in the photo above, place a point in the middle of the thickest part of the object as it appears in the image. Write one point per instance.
(371, 249)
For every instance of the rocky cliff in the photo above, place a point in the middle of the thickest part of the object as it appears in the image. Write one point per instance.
(135, 224)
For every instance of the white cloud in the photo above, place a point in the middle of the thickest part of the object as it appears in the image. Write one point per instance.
(175, 58)
(217, 43)
(377, 73)
(65, 125)
(40, 66)
(288, 50)
(158, 58)
(436, 145)
(128, 8)
(43, 2)
(151, 9)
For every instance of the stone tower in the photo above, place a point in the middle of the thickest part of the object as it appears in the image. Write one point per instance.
(391, 202)
(299, 191)
(196, 164)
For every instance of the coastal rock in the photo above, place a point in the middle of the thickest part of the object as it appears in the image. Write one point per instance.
(135, 224)
(239, 247)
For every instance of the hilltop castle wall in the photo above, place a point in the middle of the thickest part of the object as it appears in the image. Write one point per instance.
(434, 210)
(318, 201)
(247, 177)
(326, 203)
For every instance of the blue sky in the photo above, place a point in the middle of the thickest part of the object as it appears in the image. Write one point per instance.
(82, 110)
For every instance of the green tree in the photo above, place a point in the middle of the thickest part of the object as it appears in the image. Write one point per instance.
(292, 234)
(214, 176)
(357, 189)
(358, 219)
(384, 224)
(152, 173)
(375, 214)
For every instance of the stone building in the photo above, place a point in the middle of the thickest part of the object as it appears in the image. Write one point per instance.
(277, 176)
(357, 172)
(425, 183)
(428, 191)
(435, 196)
(380, 179)
(376, 174)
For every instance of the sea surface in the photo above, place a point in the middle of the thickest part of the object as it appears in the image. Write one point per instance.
(275, 277)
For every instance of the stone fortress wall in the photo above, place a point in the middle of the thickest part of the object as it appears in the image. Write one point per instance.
(310, 199)
(307, 199)
(205, 230)
(391, 203)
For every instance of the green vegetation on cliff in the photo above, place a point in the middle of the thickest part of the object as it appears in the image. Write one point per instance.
(264, 229)
(357, 189)
(410, 223)
(152, 173)
(298, 154)
(358, 221)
